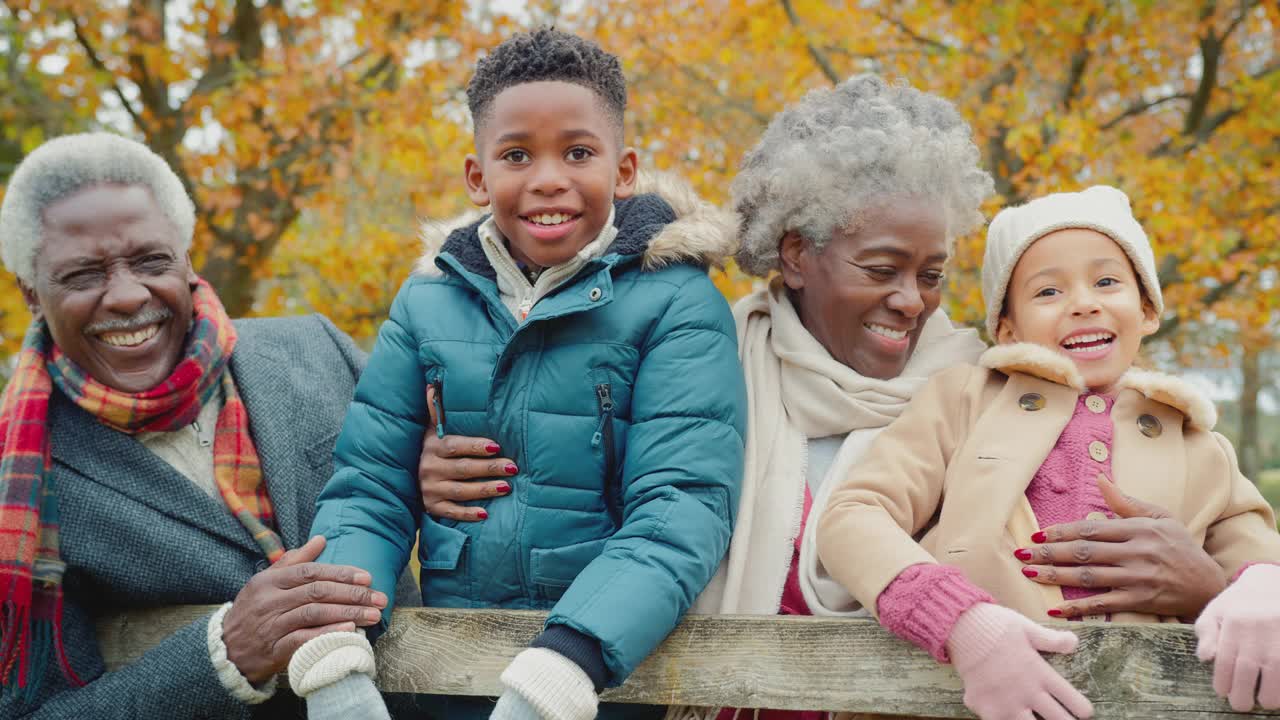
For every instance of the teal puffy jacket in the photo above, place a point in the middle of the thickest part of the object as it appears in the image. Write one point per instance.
(620, 399)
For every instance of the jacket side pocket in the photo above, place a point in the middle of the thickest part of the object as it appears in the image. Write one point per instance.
(554, 569)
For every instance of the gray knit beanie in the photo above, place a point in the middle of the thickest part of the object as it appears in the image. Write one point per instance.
(1101, 208)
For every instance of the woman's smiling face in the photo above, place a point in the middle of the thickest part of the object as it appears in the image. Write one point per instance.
(868, 293)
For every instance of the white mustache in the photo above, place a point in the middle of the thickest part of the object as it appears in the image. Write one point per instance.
(137, 322)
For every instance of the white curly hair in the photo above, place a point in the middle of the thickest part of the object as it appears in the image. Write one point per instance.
(70, 163)
(839, 152)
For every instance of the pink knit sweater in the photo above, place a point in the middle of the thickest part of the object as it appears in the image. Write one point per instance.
(922, 604)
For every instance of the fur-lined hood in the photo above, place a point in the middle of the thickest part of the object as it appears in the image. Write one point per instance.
(700, 233)
(1048, 365)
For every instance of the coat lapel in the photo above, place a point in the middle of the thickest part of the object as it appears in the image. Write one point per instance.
(274, 406)
(1036, 411)
(120, 462)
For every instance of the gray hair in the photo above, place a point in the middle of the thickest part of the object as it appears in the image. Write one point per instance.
(839, 152)
(71, 163)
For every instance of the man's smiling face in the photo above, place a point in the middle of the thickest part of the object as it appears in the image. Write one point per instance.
(113, 286)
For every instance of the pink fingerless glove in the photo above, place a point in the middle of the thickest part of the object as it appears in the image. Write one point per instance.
(1240, 632)
(996, 651)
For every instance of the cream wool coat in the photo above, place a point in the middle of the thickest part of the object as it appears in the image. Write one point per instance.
(954, 468)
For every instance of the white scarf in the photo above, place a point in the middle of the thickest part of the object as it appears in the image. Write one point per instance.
(796, 391)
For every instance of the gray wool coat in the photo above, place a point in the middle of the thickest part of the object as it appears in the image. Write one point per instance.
(137, 534)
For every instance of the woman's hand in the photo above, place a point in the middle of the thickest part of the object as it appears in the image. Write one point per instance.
(450, 467)
(1148, 560)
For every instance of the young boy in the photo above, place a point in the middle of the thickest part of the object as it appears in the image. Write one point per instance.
(576, 326)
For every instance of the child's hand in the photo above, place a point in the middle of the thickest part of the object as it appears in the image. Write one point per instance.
(542, 684)
(449, 466)
(996, 651)
(1240, 632)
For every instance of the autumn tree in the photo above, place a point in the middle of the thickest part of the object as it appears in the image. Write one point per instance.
(315, 134)
(254, 104)
(1176, 103)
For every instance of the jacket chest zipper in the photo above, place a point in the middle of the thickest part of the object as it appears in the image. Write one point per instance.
(604, 436)
(439, 406)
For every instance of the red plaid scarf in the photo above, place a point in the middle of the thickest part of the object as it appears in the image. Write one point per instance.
(30, 566)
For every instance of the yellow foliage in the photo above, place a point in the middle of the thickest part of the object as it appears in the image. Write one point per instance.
(327, 145)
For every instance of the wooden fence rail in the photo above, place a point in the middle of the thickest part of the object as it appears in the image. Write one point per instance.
(1128, 671)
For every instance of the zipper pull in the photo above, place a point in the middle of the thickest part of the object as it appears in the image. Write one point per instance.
(439, 403)
(604, 395)
(200, 440)
(525, 306)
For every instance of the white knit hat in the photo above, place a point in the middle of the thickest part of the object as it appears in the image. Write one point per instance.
(1101, 208)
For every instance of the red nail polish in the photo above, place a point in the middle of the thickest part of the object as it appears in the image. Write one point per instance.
(503, 488)
(492, 447)
(482, 515)
(1029, 572)
(511, 469)
(1022, 554)
(1055, 613)
(1039, 537)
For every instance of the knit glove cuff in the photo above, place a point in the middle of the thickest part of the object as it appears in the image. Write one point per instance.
(925, 602)
(552, 684)
(976, 634)
(228, 674)
(328, 658)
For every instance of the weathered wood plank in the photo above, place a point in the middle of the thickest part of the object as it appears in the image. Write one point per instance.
(1128, 671)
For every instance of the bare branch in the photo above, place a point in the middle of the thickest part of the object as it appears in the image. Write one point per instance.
(96, 61)
(918, 37)
(1246, 7)
(824, 64)
(1079, 62)
(1210, 299)
(1139, 108)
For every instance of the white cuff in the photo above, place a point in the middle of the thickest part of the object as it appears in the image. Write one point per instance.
(553, 684)
(228, 674)
(328, 658)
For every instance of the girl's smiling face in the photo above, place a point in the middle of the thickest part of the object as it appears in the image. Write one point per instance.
(1075, 291)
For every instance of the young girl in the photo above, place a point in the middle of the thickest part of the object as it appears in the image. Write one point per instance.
(1054, 420)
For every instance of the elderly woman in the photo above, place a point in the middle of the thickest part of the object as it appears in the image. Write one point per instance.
(854, 196)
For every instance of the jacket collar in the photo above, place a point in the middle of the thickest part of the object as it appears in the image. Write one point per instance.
(665, 223)
(1046, 364)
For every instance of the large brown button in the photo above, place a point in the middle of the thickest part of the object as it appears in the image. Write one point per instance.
(1095, 403)
(1150, 426)
(1098, 451)
(1031, 402)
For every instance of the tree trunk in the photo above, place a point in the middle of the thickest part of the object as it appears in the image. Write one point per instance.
(1250, 388)
(234, 282)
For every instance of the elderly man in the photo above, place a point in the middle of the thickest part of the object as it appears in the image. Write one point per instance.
(154, 453)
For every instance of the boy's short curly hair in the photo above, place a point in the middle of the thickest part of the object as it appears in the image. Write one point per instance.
(826, 160)
(547, 55)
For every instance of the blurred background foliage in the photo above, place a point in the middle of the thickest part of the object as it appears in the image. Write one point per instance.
(315, 135)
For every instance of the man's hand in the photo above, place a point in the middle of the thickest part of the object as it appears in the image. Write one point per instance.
(291, 602)
(1149, 561)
